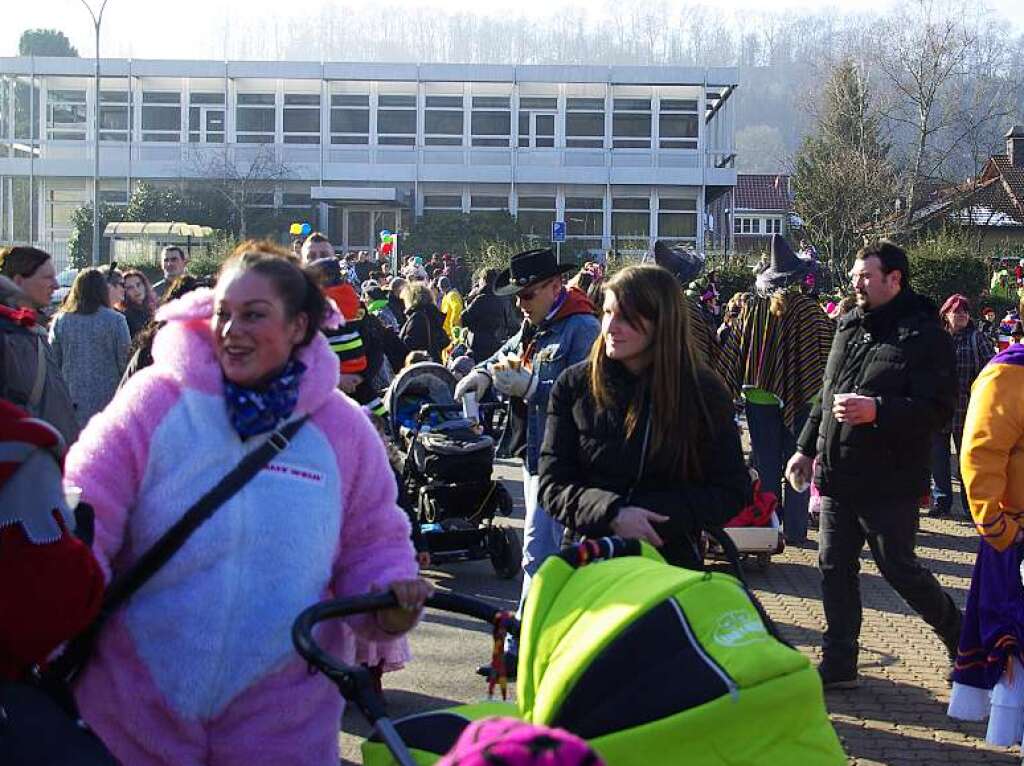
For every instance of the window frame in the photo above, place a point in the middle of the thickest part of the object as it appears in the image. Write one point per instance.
(339, 109)
(396, 138)
(67, 131)
(159, 107)
(206, 107)
(686, 108)
(440, 110)
(485, 106)
(628, 109)
(301, 104)
(574, 106)
(250, 136)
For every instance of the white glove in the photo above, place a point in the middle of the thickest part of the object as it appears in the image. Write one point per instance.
(519, 382)
(477, 381)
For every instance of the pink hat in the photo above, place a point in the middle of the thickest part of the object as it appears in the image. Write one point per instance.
(517, 743)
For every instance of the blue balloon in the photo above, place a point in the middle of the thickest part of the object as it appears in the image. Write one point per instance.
(384, 233)
(306, 229)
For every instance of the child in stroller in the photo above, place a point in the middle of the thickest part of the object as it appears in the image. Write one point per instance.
(447, 487)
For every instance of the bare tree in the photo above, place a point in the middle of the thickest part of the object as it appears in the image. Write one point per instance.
(934, 55)
(238, 176)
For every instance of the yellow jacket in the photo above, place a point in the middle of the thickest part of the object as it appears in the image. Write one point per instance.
(992, 457)
(451, 307)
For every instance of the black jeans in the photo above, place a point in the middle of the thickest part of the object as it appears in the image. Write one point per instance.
(890, 530)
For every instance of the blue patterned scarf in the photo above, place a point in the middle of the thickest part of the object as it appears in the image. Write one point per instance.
(256, 411)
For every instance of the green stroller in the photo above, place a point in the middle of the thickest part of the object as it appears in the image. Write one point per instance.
(650, 663)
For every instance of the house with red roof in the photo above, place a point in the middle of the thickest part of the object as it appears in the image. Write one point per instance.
(761, 205)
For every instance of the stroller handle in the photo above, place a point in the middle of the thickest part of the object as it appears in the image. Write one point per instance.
(354, 681)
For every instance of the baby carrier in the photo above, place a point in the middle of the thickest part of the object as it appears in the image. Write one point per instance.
(448, 490)
(653, 665)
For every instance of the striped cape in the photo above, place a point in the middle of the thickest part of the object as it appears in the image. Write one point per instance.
(785, 356)
(704, 342)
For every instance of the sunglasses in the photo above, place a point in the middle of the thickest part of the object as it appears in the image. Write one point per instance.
(529, 293)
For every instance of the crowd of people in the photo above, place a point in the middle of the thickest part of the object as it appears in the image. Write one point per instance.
(622, 393)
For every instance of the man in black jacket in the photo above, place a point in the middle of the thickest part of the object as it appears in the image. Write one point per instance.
(890, 383)
(489, 318)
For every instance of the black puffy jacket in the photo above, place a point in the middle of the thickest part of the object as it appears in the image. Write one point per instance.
(490, 322)
(901, 355)
(589, 468)
(424, 331)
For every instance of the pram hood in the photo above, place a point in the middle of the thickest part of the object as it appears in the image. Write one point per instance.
(431, 382)
(656, 664)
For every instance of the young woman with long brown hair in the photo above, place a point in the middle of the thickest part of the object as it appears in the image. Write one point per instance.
(641, 441)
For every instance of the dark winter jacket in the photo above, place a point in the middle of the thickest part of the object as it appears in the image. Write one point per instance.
(901, 355)
(137, 318)
(490, 322)
(397, 308)
(589, 468)
(424, 331)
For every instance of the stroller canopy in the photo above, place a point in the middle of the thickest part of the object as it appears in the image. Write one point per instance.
(416, 385)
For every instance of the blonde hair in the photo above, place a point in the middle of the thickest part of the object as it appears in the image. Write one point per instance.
(417, 294)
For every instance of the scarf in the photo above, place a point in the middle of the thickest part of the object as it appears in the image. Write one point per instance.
(256, 411)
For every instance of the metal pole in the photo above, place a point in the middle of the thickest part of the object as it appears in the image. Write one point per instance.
(96, 22)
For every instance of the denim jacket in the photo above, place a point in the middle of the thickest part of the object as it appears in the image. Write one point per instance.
(558, 344)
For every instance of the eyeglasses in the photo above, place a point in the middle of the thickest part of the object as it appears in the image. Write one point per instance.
(530, 293)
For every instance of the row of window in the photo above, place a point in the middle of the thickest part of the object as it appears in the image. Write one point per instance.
(352, 116)
(744, 225)
(584, 216)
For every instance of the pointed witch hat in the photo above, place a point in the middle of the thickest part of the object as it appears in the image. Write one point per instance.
(785, 267)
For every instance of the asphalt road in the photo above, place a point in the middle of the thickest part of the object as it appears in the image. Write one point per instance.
(447, 649)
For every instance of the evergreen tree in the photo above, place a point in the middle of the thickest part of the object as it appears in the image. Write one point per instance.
(45, 42)
(842, 177)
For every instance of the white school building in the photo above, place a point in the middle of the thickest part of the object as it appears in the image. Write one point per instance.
(621, 154)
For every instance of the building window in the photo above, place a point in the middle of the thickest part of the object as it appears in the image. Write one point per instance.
(448, 202)
(584, 123)
(350, 119)
(584, 220)
(65, 115)
(772, 225)
(115, 115)
(442, 121)
(535, 216)
(537, 122)
(631, 123)
(161, 117)
(396, 120)
(206, 118)
(301, 118)
(491, 121)
(678, 124)
(747, 226)
(631, 218)
(677, 218)
(488, 202)
(254, 118)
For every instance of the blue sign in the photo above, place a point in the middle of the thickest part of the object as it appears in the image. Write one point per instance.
(558, 231)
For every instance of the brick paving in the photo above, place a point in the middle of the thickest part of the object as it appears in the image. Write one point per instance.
(898, 715)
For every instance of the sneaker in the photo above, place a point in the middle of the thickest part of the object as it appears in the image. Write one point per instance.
(833, 677)
(511, 663)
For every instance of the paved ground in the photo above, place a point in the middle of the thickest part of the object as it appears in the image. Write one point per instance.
(896, 717)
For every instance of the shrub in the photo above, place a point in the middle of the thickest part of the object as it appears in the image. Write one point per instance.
(946, 264)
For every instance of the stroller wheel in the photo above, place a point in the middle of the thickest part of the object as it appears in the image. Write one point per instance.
(504, 504)
(505, 552)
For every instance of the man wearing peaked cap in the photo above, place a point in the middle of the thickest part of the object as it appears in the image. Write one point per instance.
(559, 329)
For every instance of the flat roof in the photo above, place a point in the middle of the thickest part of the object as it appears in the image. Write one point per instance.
(332, 70)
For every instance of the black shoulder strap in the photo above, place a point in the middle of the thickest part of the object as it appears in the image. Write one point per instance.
(174, 538)
(126, 586)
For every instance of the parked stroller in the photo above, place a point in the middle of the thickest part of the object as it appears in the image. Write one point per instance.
(448, 490)
(653, 665)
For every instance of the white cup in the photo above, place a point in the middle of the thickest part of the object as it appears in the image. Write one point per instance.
(72, 496)
(839, 398)
(470, 409)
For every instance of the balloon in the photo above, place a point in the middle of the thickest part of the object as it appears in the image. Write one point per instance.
(385, 249)
(385, 233)
(306, 229)
(295, 228)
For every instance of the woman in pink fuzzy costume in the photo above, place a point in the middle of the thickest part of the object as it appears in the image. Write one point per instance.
(198, 668)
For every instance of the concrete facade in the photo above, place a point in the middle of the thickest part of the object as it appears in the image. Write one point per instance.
(622, 154)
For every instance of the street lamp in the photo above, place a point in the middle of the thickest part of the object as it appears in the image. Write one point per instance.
(96, 21)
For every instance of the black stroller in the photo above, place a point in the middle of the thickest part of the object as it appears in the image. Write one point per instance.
(447, 488)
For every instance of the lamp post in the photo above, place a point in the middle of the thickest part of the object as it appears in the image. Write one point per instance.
(96, 22)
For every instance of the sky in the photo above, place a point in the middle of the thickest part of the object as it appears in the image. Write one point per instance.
(185, 28)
